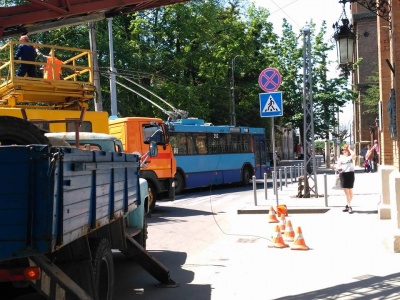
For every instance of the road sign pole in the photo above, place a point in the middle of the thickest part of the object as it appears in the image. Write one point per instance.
(273, 158)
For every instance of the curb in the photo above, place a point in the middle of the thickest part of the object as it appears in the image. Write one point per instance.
(290, 211)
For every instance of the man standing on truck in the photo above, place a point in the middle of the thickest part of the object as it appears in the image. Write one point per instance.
(28, 53)
(53, 63)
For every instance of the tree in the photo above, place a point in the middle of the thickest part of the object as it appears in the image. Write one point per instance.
(184, 54)
(371, 96)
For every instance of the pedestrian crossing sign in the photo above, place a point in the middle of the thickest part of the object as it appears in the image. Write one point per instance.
(271, 104)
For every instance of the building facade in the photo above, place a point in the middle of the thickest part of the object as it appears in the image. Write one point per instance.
(387, 126)
(365, 75)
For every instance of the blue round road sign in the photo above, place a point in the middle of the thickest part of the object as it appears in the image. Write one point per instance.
(269, 80)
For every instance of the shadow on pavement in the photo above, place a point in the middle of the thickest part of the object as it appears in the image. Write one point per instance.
(368, 287)
(133, 282)
(160, 213)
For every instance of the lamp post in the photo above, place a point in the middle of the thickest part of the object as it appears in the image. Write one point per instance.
(288, 131)
(344, 38)
(233, 113)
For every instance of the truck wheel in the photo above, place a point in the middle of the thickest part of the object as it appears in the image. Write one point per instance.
(153, 195)
(141, 238)
(16, 131)
(103, 269)
(179, 183)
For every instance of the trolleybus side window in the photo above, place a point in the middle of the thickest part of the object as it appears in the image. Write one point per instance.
(201, 143)
(178, 142)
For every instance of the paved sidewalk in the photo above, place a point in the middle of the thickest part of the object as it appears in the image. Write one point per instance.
(350, 257)
(366, 194)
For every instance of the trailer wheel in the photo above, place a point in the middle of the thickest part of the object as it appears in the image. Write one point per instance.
(103, 269)
(16, 131)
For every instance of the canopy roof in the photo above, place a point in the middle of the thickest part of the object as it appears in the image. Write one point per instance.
(38, 16)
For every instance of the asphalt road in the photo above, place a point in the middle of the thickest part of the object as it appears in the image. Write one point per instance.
(216, 253)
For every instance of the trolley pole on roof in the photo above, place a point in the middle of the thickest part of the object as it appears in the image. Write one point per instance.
(310, 178)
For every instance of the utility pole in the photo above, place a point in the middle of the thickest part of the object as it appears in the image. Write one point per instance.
(113, 71)
(310, 177)
(233, 112)
(98, 101)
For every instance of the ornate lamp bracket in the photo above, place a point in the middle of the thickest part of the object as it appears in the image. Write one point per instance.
(381, 8)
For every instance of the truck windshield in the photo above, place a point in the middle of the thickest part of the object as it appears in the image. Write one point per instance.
(153, 132)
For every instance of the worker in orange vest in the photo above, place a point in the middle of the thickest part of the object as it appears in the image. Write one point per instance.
(52, 64)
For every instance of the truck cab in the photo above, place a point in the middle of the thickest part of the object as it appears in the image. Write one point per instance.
(86, 140)
(135, 134)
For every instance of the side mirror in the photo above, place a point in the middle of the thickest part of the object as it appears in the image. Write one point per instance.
(153, 150)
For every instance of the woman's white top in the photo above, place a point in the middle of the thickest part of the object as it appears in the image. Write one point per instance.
(345, 163)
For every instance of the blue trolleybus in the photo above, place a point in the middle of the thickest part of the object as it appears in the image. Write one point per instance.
(210, 155)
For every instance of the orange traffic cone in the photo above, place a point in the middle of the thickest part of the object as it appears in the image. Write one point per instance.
(289, 233)
(281, 210)
(299, 243)
(282, 223)
(277, 240)
(272, 216)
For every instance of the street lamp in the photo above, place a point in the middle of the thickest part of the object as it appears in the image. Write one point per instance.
(288, 131)
(233, 113)
(344, 38)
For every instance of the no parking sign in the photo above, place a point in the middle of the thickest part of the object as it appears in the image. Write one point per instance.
(269, 80)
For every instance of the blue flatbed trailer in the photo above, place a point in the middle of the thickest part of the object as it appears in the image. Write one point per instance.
(62, 210)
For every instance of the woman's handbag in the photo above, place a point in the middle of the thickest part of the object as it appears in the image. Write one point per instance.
(337, 182)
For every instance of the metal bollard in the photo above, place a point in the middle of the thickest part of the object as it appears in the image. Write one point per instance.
(255, 190)
(280, 178)
(291, 174)
(285, 170)
(273, 181)
(265, 185)
(326, 189)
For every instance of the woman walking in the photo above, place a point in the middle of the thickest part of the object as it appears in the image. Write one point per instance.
(345, 167)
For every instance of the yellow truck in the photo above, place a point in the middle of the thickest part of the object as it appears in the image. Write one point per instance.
(53, 105)
(61, 105)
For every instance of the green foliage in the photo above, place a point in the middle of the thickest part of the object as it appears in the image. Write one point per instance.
(319, 146)
(372, 96)
(184, 54)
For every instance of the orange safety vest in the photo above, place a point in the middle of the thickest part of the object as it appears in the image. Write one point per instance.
(48, 69)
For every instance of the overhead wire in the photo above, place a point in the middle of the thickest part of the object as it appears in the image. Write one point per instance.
(284, 12)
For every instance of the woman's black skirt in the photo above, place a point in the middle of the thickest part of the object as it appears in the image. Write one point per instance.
(346, 180)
